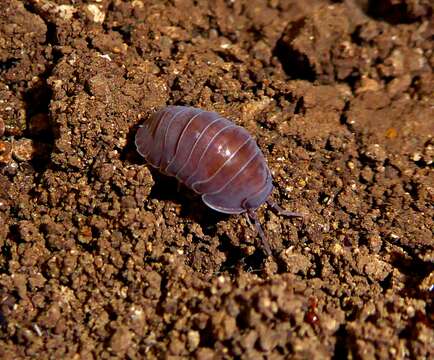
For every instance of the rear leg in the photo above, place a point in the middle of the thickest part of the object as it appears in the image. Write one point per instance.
(284, 212)
(251, 215)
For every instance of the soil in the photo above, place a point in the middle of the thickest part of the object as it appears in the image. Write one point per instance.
(103, 258)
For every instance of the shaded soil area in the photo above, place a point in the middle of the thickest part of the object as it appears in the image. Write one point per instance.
(103, 258)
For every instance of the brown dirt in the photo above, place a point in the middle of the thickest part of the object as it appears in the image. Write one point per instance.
(101, 258)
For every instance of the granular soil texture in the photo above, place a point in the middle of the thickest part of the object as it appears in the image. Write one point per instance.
(103, 258)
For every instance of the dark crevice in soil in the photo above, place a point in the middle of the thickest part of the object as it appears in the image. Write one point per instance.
(8, 64)
(236, 259)
(294, 63)
(39, 96)
(341, 345)
(394, 12)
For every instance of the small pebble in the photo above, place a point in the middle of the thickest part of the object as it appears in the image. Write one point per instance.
(95, 14)
(399, 85)
(375, 152)
(5, 152)
(66, 12)
(367, 174)
(193, 340)
(23, 150)
(121, 340)
(427, 283)
(391, 133)
(367, 84)
(417, 156)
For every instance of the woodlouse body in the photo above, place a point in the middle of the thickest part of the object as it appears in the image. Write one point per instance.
(210, 155)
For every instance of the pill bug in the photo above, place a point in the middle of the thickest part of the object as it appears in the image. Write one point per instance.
(212, 156)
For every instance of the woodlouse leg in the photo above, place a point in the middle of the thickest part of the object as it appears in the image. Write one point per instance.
(281, 211)
(264, 241)
(248, 219)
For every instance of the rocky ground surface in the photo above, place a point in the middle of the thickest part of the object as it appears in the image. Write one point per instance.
(103, 258)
